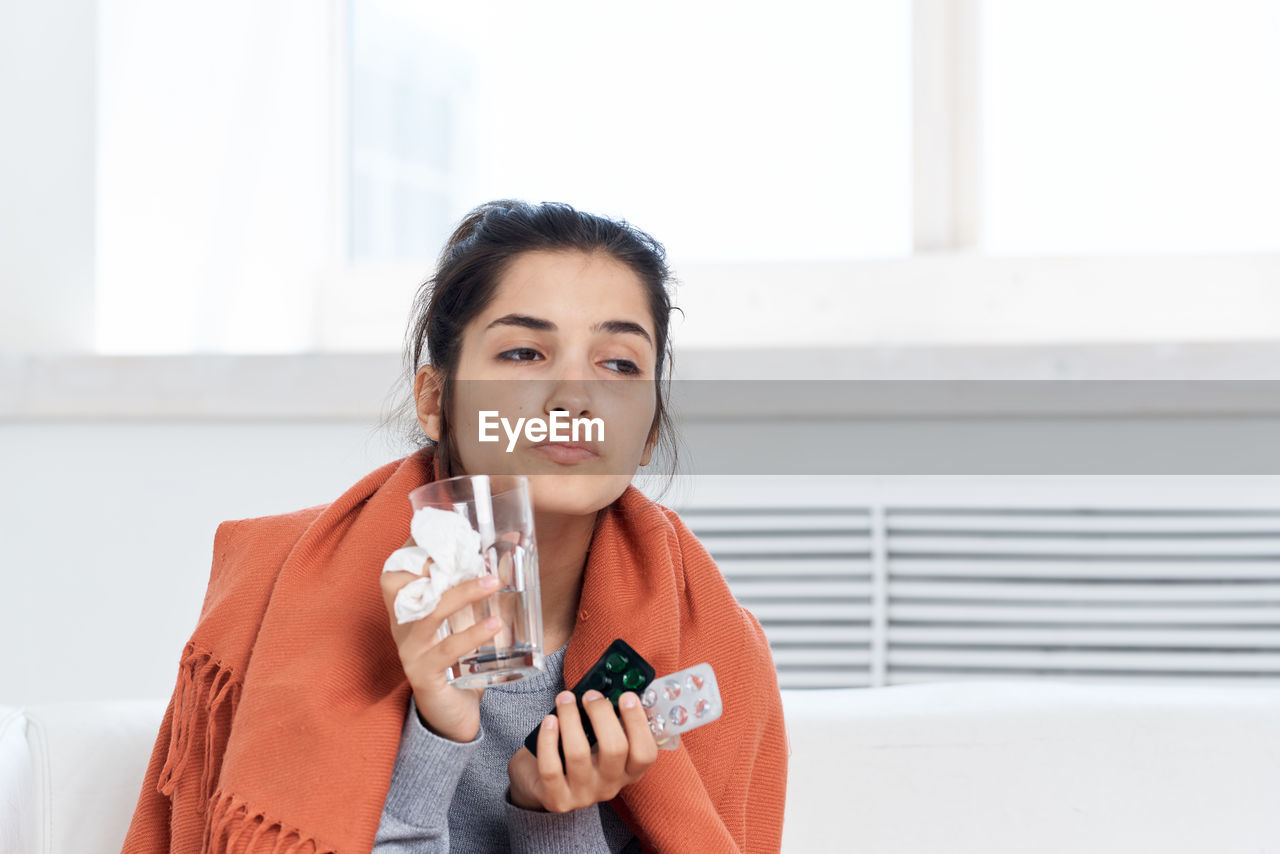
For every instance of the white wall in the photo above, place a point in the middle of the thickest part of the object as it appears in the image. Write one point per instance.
(48, 53)
(108, 530)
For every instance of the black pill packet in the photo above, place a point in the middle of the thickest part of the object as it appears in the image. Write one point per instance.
(619, 669)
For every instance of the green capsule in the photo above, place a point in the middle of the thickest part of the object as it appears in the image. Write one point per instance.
(633, 679)
(616, 663)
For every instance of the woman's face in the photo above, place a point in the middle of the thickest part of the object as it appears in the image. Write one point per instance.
(565, 331)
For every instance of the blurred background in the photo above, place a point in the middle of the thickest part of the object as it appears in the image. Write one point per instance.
(214, 217)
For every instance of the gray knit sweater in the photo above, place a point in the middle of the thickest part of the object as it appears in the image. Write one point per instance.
(452, 796)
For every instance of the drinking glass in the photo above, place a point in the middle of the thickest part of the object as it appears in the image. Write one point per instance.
(498, 507)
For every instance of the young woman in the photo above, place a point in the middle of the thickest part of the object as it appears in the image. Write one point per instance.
(306, 718)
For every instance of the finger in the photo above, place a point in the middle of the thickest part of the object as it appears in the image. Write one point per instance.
(611, 741)
(413, 637)
(465, 595)
(642, 750)
(424, 631)
(452, 649)
(550, 772)
(391, 583)
(420, 637)
(522, 772)
(577, 752)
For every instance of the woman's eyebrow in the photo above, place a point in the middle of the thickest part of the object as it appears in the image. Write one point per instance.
(614, 327)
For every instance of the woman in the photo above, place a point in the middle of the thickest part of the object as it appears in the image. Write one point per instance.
(301, 721)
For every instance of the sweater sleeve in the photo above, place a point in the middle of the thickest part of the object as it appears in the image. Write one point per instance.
(415, 816)
(535, 832)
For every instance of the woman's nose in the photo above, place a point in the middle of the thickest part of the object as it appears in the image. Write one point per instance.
(571, 395)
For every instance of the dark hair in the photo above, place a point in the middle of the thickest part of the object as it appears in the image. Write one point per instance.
(467, 273)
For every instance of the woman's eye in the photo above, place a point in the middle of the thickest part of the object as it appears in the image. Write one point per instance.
(524, 351)
(625, 366)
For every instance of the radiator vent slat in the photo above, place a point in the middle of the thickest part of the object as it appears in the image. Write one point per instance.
(946, 637)
(1094, 524)
(997, 544)
(1068, 659)
(1103, 570)
(1158, 592)
(1053, 612)
(906, 676)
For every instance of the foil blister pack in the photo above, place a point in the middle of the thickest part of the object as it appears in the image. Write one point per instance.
(680, 702)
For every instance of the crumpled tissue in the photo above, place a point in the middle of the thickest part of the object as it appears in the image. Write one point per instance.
(453, 548)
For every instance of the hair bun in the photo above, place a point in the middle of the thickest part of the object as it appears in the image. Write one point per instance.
(467, 228)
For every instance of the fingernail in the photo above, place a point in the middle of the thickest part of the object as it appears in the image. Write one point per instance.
(593, 694)
(549, 722)
(493, 623)
(564, 698)
(489, 582)
(627, 700)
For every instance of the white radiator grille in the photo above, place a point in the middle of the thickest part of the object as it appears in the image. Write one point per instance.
(805, 572)
(887, 595)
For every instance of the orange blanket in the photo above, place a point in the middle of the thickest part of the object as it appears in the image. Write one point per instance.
(285, 722)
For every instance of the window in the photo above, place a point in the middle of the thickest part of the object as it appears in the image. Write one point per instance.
(731, 132)
(1131, 126)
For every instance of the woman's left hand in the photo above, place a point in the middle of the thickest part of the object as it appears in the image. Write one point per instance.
(621, 756)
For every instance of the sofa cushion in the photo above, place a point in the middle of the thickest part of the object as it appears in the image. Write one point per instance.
(89, 760)
(1043, 766)
(17, 791)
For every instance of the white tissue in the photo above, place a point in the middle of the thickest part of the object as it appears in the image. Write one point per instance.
(408, 559)
(417, 599)
(453, 547)
(451, 542)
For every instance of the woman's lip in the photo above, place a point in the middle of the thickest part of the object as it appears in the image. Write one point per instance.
(563, 452)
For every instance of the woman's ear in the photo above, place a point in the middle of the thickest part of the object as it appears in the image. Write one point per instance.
(649, 446)
(427, 393)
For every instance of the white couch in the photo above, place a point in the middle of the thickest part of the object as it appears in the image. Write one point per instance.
(983, 767)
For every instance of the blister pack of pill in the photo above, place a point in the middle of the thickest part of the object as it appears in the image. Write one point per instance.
(620, 668)
(680, 702)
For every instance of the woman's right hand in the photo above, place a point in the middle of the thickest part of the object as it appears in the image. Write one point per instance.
(448, 711)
